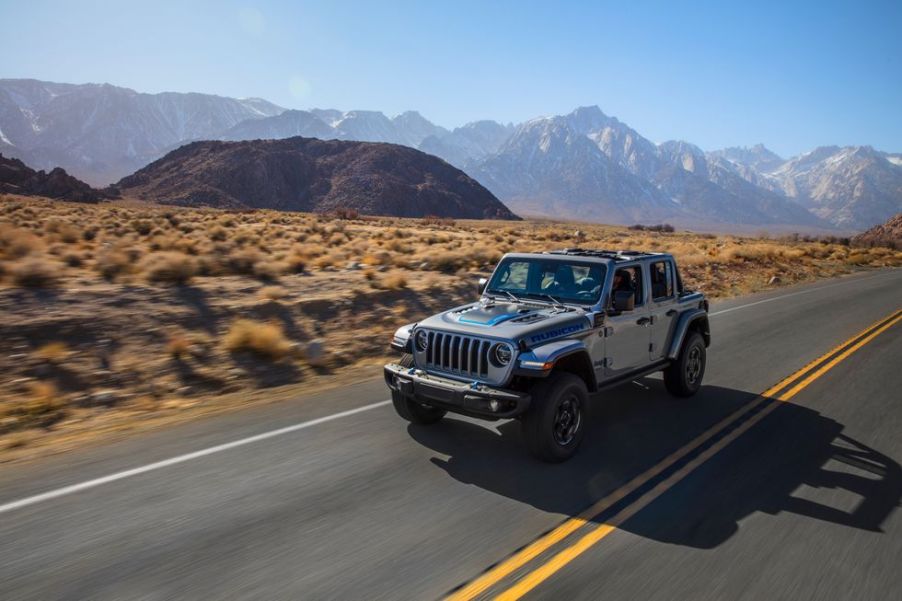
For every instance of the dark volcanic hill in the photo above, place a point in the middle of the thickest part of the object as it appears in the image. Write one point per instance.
(887, 234)
(307, 174)
(18, 178)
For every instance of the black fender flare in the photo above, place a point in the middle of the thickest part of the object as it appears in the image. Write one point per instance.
(695, 318)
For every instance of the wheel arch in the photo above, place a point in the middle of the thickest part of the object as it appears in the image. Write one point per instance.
(691, 321)
(579, 364)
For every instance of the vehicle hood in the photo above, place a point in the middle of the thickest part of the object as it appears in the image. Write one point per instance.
(510, 321)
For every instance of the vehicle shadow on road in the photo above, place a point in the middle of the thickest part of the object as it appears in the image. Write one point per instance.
(795, 460)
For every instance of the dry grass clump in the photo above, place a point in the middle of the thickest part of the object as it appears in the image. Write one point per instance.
(243, 261)
(42, 406)
(113, 263)
(169, 268)
(269, 271)
(393, 281)
(36, 272)
(272, 293)
(178, 346)
(266, 340)
(52, 352)
(16, 243)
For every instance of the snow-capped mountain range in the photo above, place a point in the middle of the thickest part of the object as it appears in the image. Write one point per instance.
(583, 165)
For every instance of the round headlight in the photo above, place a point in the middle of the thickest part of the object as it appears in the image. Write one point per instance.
(422, 341)
(501, 354)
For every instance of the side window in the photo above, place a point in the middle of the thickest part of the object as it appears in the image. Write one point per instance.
(630, 278)
(661, 280)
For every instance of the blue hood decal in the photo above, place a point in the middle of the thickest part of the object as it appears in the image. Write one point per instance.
(486, 319)
(488, 315)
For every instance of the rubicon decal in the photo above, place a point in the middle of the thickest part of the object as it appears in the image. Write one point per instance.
(555, 333)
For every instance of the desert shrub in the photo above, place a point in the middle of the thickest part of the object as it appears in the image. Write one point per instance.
(272, 293)
(16, 243)
(243, 261)
(65, 232)
(449, 261)
(41, 407)
(263, 339)
(296, 263)
(219, 234)
(377, 258)
(330, 260)
(269, 270)
(397, 246)
(36, 272)
(73, 259)
(142, 226)
(337, 239)
(661, 227)
(346, 213)
(435, 220)
(113, 263)
(393, 281)
(178, 346)
(52, 352)
(169, 268)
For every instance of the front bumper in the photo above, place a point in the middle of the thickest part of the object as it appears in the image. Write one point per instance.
(477, 400)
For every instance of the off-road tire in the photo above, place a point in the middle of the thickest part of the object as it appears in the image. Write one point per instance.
(548, 434)
(683, 377)
(411, 410)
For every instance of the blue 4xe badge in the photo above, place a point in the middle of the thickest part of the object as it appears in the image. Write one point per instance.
(555, 333)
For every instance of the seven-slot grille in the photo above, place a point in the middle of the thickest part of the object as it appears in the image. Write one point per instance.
(464, 355)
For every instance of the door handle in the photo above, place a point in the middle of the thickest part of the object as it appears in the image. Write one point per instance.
(671, 313)
(644, 321)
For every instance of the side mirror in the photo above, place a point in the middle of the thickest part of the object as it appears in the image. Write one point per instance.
(482, 284)
(624, 300)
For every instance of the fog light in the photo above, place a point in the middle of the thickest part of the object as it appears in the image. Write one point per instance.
(494, 405)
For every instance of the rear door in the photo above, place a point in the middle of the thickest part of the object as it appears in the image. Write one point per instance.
(662, 306)
(626, 347)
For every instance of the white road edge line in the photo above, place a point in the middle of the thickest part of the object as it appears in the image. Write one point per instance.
(74, 488)
(68, 490)
(809, 290)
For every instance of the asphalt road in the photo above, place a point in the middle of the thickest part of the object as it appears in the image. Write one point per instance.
(795, 499)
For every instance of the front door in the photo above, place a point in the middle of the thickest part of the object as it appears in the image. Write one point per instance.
(626, 346)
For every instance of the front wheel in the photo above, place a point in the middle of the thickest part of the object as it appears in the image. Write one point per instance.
(684, 376)
(554, 424)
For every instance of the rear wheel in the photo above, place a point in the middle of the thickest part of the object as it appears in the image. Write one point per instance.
(554, 424)
(409, 408)
(684, 376)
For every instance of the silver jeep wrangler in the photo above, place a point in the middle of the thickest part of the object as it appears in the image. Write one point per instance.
(549, 329)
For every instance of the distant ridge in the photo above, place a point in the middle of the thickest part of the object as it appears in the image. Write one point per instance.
(601, 170)
(18, 178)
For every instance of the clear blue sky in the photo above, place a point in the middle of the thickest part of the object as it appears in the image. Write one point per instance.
(793, 75)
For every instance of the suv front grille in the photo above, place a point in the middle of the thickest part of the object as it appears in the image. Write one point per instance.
(457, 354)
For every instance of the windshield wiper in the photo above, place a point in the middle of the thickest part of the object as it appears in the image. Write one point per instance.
(555, 301)
(509, 294)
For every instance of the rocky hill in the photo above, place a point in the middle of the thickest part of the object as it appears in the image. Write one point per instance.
(18, 178)
(887, 234)
(306, 174)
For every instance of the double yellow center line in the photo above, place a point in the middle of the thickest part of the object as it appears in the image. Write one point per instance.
(734, 424)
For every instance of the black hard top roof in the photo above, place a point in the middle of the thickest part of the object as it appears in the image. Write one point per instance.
(615, 255)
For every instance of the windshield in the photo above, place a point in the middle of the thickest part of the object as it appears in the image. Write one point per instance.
(549, 280)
